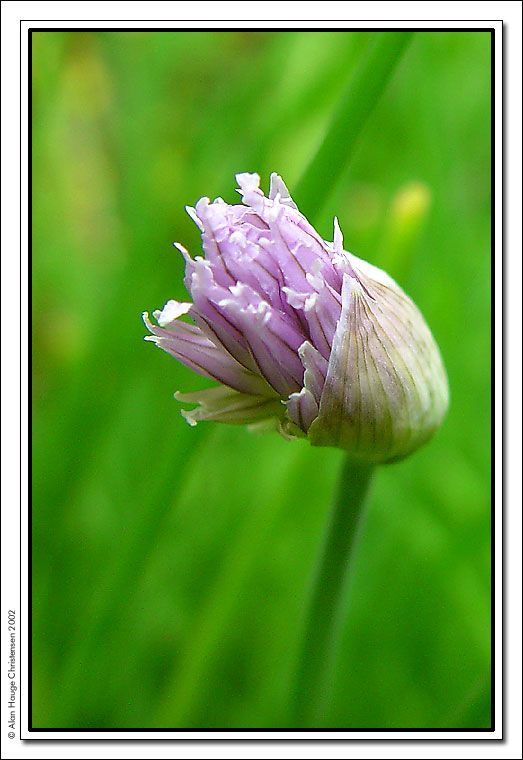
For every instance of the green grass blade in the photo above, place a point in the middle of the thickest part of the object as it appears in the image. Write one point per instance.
(360, 98)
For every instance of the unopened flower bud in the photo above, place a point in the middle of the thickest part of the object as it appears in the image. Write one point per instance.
(301, 335)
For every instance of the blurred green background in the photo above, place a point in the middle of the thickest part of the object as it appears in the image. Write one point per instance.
(171, 564)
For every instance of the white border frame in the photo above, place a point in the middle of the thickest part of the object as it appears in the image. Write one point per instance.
(11, 349)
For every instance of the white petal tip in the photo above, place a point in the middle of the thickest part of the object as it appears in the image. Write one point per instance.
(278, 189)
(338, 236)
(183, 250)
(188, 417)
(171, 311)
(194, 216)
(146, 320)
(247, 181)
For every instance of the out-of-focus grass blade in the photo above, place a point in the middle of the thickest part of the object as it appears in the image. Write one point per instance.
(359, 100)
(277, 481)
(125, 570)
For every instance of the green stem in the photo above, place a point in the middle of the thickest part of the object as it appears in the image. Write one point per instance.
(358, 102)
(328, 598)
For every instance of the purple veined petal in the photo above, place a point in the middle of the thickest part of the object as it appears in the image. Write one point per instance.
(302, 409)
(272, 208)
(226, 232)
(246, 261)
(235, 214)
(305, 245)
(298, 248)
(273, 343)
(264, 280)
(304, 303)
(251, 222)
(222, 404)
(303, 249)
(320, 337)
(224, 327)
(290, 272)
(315, 369)
(240, 251)
(189, 345)
(231, 244)
(282, 334)
(321, 311)
(327, 309)
(206, 295)
(296, 303)
(212, 220)
(298, 244)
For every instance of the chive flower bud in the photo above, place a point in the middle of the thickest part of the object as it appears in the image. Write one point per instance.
(302, 336)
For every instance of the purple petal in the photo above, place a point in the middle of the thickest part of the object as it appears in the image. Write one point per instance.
(321, 311)
(188, 344)
(302, 409)
(272, 339)
(297, 244)
(206, 295)
(231, 241)
(315, 369)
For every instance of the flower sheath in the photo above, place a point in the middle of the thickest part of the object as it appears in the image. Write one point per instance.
(301, 335)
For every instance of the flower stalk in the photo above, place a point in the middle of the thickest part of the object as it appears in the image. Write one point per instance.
(325, 613)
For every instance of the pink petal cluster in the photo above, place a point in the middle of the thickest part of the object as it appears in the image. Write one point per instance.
(281, 317)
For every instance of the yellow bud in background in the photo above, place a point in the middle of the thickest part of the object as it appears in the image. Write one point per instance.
(406, 216)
